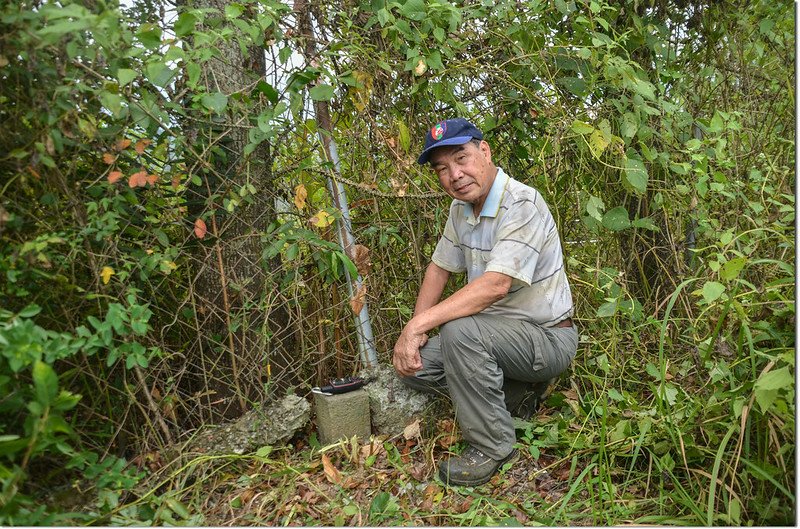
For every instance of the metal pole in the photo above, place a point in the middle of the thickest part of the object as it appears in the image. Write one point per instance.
(366, 340)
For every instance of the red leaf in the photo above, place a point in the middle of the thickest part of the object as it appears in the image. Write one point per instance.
(200, 228)
(152, 179)
(141, 145)
(109, 158)
(123, 144)
(138, 179)
(114, 176)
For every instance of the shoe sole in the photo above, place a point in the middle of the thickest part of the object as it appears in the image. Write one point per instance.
(513, 456)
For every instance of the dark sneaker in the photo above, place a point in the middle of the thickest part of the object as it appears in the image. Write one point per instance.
(472, 467)
(536, 394)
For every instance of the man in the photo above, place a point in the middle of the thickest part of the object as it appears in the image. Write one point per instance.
(509, 330)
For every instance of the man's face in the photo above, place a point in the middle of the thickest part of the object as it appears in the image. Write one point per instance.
(465, 171)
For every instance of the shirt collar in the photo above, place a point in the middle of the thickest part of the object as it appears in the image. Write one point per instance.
(492, 204)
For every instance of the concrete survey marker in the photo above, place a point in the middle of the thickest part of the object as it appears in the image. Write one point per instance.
(342, 416)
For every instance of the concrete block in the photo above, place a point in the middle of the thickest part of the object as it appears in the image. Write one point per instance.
(393, 404)
(342, 416)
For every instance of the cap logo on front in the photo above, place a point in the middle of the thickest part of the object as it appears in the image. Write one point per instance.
(438, 130)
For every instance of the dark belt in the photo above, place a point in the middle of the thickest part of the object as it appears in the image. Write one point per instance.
(565, 323)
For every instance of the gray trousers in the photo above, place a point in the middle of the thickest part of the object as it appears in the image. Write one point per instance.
(486, 363)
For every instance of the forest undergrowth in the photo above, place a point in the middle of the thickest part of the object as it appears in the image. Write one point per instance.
(171, 226)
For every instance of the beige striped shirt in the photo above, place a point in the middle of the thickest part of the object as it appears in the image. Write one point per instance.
(515, 235)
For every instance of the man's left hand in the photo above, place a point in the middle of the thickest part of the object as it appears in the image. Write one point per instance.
(406, 359)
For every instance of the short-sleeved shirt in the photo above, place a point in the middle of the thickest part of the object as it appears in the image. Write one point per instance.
(515, 235)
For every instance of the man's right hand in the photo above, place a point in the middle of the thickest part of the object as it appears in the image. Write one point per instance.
(406, 359)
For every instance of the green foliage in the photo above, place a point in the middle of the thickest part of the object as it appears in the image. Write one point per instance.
(659, 133)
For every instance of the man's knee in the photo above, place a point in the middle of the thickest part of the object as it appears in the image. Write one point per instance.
(459, 331)
(426, 385)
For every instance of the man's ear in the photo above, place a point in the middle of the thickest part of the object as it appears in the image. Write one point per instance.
(486, 149)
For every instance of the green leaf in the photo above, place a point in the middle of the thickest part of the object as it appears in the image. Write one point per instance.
(162, 237)
(777, 379)
(193, 71)
(613, 394)
(607, 309)
(616, 219)
(216, 102)
(185, 24)
(125, 76)
(635, 175)
(178, 508)
(679, 168)
(566, 8)
(234, 10)
(717, 123)
(595, 207)
(321, 92)
(732, 268)
(576, 85)
(582, 128)
(629, 125)
(645, 223)
(598, 141)
(45, 382)
(268, 90)
(644, 89)
(264, 451)
(434, 60)
(112, 102)
(30, 311)
(158, 73)
(413, 9)
(769, 384)
(653, 371)
(149, 35)
(404, 136)
(712, 291)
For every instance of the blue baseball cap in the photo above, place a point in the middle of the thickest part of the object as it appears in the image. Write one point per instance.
(457, 131)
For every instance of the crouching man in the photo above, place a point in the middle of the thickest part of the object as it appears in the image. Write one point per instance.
(509, 331)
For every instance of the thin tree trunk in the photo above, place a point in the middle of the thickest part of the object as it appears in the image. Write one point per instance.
(231, 278)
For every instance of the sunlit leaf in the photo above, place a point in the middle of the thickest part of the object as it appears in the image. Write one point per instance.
(598, 142)
(769, 384)
(125, 76)
(141, 145)
(331, 472)
(582, 128)
(122, 144)
(138, 179)
(106, 273)
(732, 268)
(712, 291)
(200, 228)
(300, 195)
(322, 219)
(45, 382)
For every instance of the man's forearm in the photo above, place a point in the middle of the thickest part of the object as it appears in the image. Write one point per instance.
(430, 292)
(469, 300)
